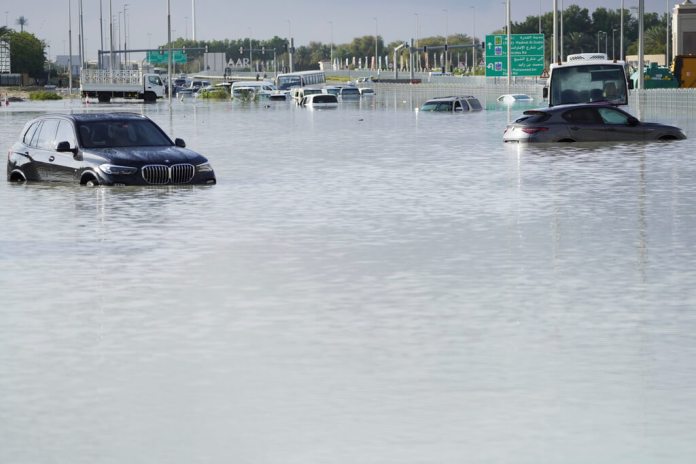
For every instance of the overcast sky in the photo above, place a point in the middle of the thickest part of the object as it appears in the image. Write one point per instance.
(325, 21)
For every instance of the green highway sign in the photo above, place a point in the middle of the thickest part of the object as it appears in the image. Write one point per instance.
(155, 57)
(527, 55)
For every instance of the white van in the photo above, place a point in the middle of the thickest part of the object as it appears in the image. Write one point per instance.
(252, 89)
(298, 93)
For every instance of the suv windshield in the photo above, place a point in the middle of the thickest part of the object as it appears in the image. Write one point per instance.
(130, 133)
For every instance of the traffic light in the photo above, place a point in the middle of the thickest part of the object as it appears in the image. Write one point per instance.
(241, 50)
(425, 49)
(263, 50)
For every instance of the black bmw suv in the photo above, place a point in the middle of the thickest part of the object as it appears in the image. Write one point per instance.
(103, 149)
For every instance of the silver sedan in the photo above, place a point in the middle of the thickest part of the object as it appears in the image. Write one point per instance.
(587, 122)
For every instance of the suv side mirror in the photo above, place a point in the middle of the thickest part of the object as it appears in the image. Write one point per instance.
(180, 143)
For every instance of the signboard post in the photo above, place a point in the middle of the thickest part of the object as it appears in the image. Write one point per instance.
(527, 55)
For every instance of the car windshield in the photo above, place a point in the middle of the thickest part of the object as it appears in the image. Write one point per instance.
(125, 133)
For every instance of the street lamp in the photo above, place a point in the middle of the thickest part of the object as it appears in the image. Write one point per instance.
(473, 41)
(417, 38)
(331, 45)
(446, 38)
(376, 54)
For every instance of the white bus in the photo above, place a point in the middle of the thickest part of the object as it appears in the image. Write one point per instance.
(588, 77)
(300, 79)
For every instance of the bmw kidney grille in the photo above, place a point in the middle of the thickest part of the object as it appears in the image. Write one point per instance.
(159, 174)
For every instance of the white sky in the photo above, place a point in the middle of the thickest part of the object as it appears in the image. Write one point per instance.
(306, 20)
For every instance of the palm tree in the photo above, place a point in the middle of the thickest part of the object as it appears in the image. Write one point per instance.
(22, 21)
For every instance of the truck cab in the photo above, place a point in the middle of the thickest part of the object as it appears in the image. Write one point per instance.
(586, 78)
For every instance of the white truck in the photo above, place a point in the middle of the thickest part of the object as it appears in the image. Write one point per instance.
(105, 84)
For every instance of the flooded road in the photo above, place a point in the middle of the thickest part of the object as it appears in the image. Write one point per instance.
(367, 284)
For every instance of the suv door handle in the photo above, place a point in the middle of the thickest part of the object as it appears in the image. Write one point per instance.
(51, 158)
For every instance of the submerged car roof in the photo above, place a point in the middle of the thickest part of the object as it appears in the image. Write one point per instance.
(91, 117)
(570, 106)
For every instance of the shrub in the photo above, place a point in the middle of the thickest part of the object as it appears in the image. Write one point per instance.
(44, 95)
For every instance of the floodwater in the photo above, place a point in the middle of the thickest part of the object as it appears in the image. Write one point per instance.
(364, 285)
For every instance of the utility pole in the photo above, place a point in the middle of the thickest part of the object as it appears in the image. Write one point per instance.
(70, 63)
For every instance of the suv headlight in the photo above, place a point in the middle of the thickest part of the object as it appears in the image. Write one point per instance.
(205, 167)
(117, 170)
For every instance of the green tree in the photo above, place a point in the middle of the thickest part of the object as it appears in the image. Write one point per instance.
(26, 53)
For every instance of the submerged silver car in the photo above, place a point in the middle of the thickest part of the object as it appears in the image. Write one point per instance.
(455, 104)
(587, 122)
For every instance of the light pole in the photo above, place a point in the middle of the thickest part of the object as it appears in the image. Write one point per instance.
(473, 41)
(446, 38)
(621, 46)
(539, 16)
(331, 45)
(599, 34)
(613, 52)
(417, 37)
(193, 20)
(289, 44)
(125, 33)
(606, 43)
(250, 58)
(70, 63)
(667, 33)
(376, 53)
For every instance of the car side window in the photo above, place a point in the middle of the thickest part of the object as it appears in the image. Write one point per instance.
(65, 133)
(582, 116)
(29, 134)
(612, 116)
(47, 134)
(474, 104)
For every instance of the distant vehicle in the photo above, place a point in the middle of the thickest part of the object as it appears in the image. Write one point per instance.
(515, 98)
(457, 104)
(332, 89)
(320, 101)
(192, 87)
(367, 91)
(252, 89)
(298, 93)
(178, 84)
(103, 149)
(106, 84)
(601, 122)
(349, 93)
(587, 77)
(286, 81)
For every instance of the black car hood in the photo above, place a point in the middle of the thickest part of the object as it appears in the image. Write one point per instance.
(147, 155)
